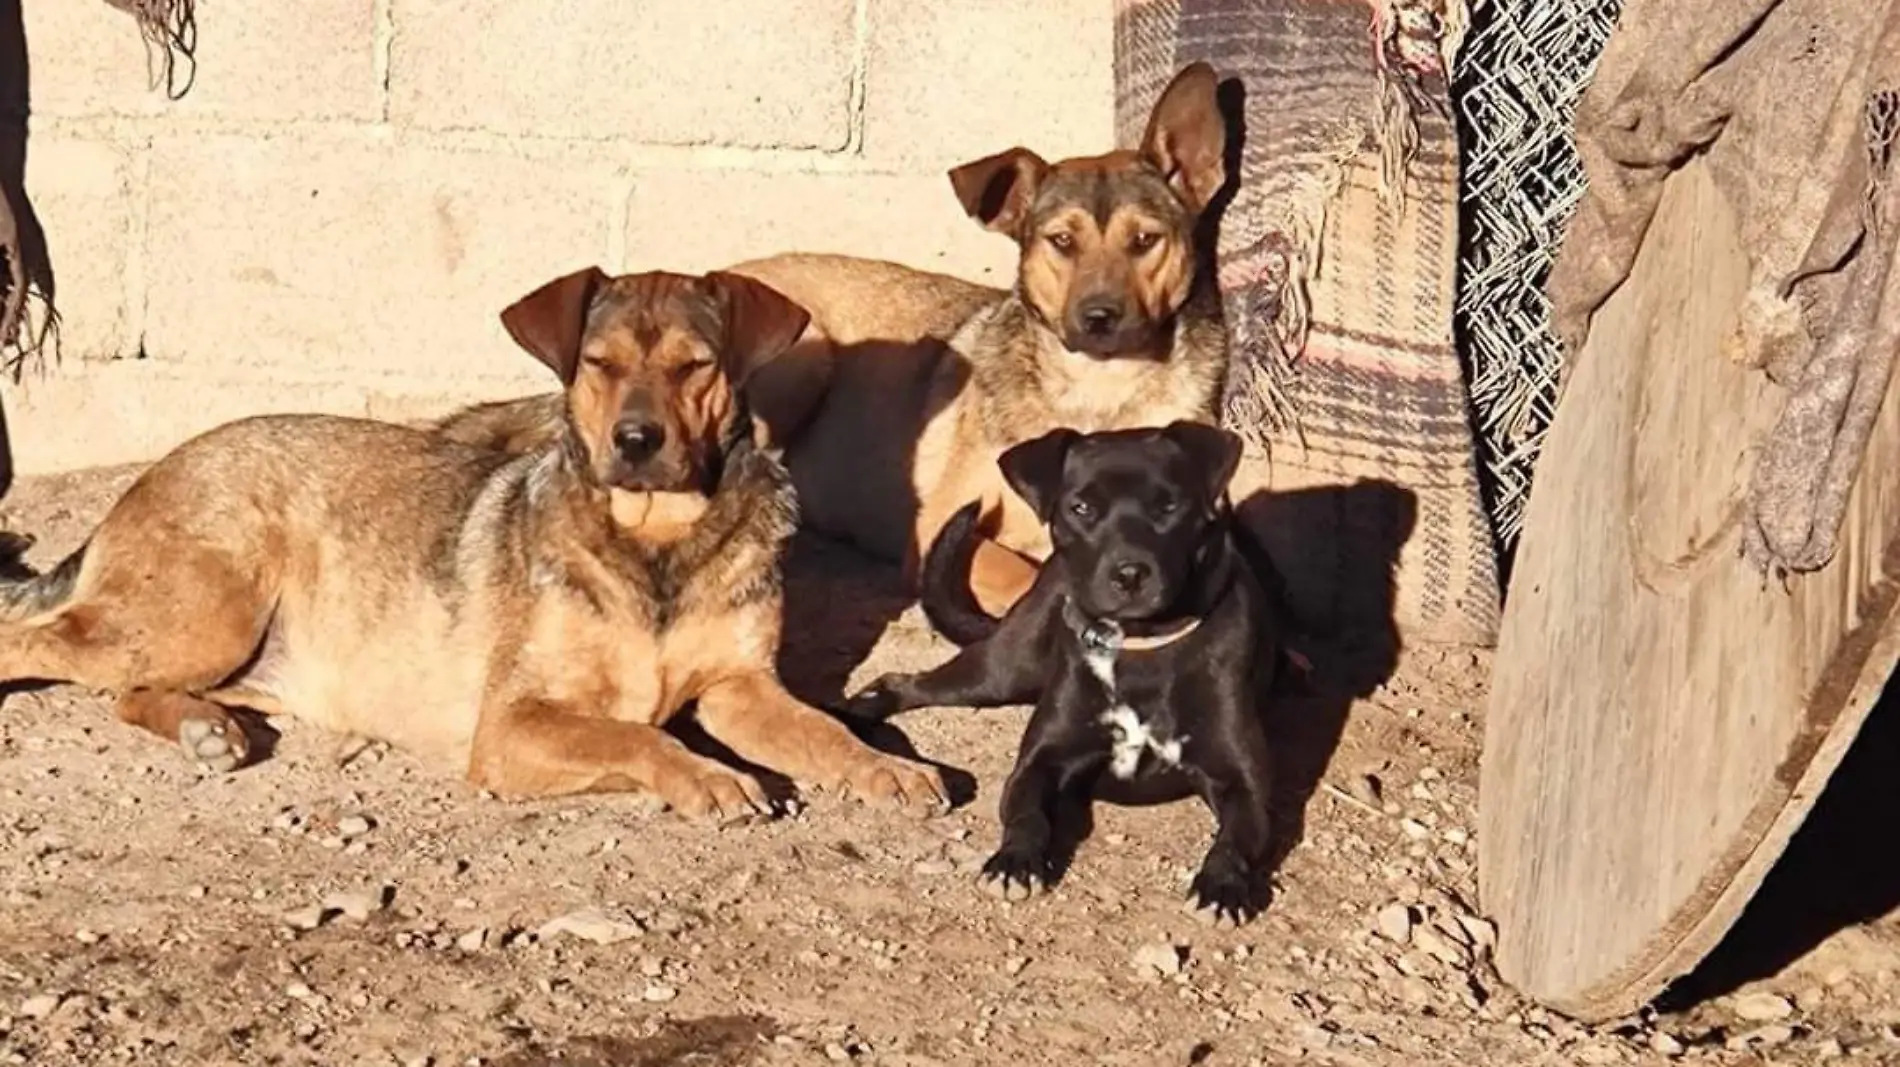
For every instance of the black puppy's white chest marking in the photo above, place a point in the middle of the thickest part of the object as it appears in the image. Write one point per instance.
(1132, 737)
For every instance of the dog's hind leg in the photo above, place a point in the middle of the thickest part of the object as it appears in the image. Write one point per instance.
(1007, 667)
(169, 621)
(988, 674)
(155, 622)
(207, 732)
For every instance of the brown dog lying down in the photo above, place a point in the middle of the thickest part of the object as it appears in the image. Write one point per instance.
(532, 619)
(909, 385)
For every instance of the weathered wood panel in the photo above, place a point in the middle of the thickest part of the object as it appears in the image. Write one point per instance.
(1661, 720)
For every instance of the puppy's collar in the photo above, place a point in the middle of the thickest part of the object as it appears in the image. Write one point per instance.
(1106, 637)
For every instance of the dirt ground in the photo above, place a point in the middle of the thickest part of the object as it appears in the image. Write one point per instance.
(301, 912)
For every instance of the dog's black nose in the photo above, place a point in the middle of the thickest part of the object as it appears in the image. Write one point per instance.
(638, 439)
(1100, 317)
(1129, 577)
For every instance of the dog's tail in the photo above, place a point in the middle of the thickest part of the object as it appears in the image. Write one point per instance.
(24, 594)
(946, 597)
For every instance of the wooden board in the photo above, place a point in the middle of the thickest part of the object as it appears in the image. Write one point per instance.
(1660, 720)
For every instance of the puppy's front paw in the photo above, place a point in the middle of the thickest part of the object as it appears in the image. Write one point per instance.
(877, 701)
(1015, 874)
(891, 780)
(1223, 892)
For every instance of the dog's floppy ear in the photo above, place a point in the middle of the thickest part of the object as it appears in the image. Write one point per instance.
(761, 323)
(997, 190)
(1187, 135)
(549, 321)
(1034, 469)
(1214, 452)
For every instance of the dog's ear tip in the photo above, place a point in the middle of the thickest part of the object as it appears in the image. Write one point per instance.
(761, 322)
(1201, 73)
(548, 321)
(979, 185)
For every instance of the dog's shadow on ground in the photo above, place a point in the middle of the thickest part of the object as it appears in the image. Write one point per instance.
(838, 605)
(1336, 549)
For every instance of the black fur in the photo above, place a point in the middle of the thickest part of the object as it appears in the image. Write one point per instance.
(24, 594)
(948, 602)
(1154, 498)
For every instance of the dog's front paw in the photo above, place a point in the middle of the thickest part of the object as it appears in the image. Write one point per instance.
(700, 788)
(892, 780)
(1016, 873)
(877, 701)
(1223, 892)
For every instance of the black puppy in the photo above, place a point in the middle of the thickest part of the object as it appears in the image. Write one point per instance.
(1147, 644)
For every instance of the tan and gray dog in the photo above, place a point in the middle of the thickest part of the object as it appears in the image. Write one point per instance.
(532, 620)
(909, 385)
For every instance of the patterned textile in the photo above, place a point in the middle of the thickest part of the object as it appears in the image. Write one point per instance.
(1795, 107)
(1337, 263)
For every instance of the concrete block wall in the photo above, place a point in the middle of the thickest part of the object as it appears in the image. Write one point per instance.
(333, 215)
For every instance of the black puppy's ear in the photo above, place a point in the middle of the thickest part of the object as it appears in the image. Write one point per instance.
(997, 190)
(1187, 135)
(1214, 452)
(549, 322)
(761, 323)
(1034, 469)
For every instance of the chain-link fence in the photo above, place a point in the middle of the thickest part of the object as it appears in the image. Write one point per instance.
(1523, 65)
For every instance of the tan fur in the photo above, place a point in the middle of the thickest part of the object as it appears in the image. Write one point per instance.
(907, 385)
(532, 620)
(931, 378)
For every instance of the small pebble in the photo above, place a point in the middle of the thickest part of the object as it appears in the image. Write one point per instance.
(1439, 946)
(1663, 1044)
(304, 918)
(1761, 1037)
(355, 906)
(353, 826)
(1762, 1007)
(39, 1007)
(1366, 789)
(1161, 959)
(591, 925)
(1395, 923)
(659, 994)
(1483, 932)
(1599, 1055)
